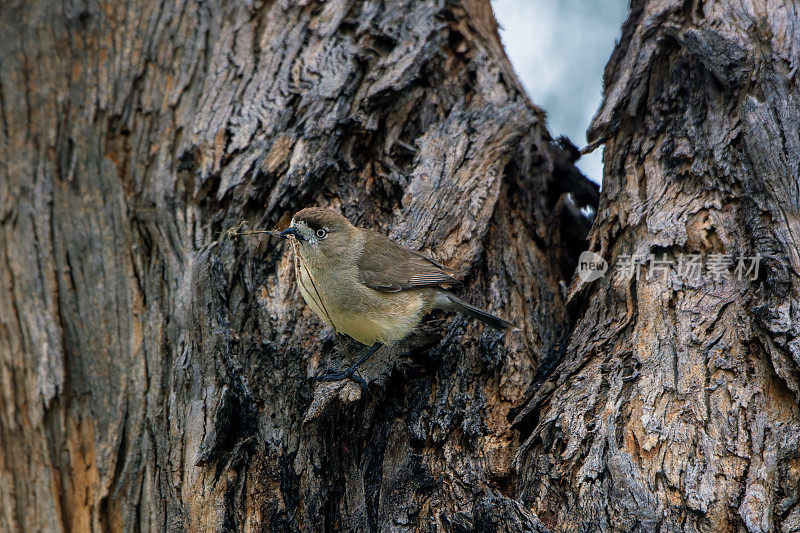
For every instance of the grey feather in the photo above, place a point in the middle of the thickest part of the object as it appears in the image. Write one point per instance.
(386, 266)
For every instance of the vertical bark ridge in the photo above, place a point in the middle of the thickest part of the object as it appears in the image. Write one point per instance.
(153, 372)
(675, 403)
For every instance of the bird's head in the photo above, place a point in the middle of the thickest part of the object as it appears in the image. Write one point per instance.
(321, 233)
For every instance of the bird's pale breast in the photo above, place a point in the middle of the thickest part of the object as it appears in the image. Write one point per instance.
(366, 315)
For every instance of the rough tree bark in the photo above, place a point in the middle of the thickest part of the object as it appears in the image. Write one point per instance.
(675, 402)
(154, 371)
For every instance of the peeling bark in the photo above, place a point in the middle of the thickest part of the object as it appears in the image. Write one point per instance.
(673, 404)
(154, 368)
(154, 371)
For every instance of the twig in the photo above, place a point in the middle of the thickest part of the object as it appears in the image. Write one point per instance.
(234, 231)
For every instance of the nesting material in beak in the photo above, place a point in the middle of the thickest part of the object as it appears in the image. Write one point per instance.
(290, 232)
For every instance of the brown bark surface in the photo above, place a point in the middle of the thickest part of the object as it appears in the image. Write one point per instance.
(675, 403)
(154, 371)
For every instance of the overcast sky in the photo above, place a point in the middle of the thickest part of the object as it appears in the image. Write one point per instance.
(559, 49)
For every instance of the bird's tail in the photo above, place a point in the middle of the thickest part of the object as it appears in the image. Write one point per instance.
(450, 302)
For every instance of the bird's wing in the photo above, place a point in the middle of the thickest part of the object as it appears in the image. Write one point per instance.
(386, 266)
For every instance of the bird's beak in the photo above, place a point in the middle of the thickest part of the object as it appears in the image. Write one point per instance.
(290, 232)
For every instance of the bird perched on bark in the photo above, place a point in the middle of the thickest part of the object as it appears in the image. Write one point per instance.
(367, 286)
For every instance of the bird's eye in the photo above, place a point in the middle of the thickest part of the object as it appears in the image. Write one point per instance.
(322, 233)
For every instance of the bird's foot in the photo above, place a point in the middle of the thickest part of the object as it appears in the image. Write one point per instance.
(350, 373)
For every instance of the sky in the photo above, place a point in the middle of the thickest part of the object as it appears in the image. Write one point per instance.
(559, 49)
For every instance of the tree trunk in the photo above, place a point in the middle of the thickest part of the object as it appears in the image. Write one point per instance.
(674, 401)
(155, 368)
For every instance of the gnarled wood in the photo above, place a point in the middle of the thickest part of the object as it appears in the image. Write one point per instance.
(154, 373)
(675, 404)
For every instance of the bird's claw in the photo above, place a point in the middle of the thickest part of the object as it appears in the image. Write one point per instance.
(350, 373)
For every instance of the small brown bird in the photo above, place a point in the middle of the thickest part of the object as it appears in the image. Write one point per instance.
(367, 286)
